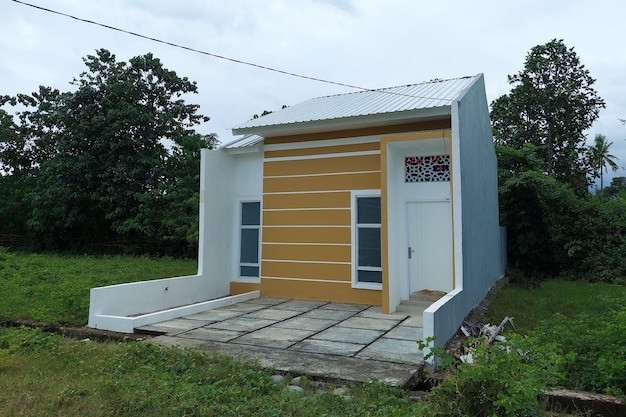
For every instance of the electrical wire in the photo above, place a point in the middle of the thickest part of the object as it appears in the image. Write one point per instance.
(237, 61)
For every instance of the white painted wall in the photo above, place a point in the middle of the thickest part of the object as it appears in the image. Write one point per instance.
(399, 194)
(477, 233)
(222, 177)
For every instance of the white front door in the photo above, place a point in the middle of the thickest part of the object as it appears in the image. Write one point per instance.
(430, 246)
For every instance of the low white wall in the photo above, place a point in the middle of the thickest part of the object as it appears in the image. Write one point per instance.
(122, 307)
(148, 296)
(442, 318)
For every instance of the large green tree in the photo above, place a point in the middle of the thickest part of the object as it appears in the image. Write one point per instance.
(551, 104)
(104, 157)
(601, 159)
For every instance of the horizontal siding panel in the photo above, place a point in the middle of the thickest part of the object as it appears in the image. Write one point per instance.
(304, 270)
(307, 235)
(307, 218)
(360, 147)
(335, 292)
(362, 181)
(369, 131)
(322, 165)
(307, 253)
(307, 200)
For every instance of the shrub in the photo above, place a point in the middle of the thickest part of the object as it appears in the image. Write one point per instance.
(507, 379)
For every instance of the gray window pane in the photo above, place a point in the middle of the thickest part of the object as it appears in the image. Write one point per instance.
(249, 246)
(368, 210)
(251, 214)
(369, 246)
(249, 271)
(370, 276)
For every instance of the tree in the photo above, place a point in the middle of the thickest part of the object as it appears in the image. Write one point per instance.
(551, 105)
(600, 158)
(102, 154)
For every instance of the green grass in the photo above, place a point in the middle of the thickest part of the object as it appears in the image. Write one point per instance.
(587, 321)
(46, 375)
(530, 307)
(54, 289)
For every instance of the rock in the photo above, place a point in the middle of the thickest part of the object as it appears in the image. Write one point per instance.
(297, 381)
(278, 379)
(294, 388)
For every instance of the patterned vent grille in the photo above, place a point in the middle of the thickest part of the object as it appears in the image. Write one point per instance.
(427, 168)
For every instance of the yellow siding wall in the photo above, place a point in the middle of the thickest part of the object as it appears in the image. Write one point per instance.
(307, 229)
(307, 232)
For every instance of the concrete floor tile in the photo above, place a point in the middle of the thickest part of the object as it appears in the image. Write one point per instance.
(345, 306)
(327, 347)
(273, 314)
(182, 324)
(268, 301)
(413, 321)
(329, 314)
(375, 312)
(175, 341)
(300, 305)
(406, 333)
(368, 323)
(215, 315)
(273, 337)
(247, 307)
(348, 335)
(393, 350)
(242, 324)
(213, 335)
(306, 323)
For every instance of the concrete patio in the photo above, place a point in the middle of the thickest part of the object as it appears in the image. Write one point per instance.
(341, 342)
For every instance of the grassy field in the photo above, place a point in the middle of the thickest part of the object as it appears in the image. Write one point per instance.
(43, 374)
(586, 320)
(54, 289)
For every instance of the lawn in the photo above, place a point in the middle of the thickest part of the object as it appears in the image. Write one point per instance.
(45, 374)
(586, 320)
(54, 289)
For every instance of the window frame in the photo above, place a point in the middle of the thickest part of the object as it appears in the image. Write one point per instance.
(355, 241)
(240, 228)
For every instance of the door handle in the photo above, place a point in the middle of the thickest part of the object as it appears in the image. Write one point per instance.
(410, 252)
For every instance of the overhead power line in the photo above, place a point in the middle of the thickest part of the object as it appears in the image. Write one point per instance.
(237, 61)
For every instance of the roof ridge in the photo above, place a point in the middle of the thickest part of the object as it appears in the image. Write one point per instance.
(382, 89)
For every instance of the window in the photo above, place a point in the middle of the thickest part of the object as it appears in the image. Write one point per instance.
(368, 249)
(250, 227)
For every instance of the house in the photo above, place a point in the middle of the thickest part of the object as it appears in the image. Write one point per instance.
(365, 197)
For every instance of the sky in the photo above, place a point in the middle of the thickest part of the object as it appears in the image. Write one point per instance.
(367, 43)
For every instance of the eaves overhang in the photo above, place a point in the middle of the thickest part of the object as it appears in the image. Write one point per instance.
(347, 123)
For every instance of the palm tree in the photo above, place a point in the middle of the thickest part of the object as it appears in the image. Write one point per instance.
(600, 157)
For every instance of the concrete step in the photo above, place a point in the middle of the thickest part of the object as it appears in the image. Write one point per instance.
(410, 309)
(424, 304)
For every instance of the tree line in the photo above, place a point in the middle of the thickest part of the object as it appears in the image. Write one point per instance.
(114, 163)
(555, 225)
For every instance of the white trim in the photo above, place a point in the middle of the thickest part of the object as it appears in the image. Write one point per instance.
(306, 280)
(322, 143)
(237, 246)
(354, 194)
(304, 225)
(320, 156)
(326, 174)
(306, 244)
(306, 192)
(306, 262)
(308, 209)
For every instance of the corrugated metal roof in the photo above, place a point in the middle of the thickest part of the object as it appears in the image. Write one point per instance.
(243, 141)
(431, 94)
